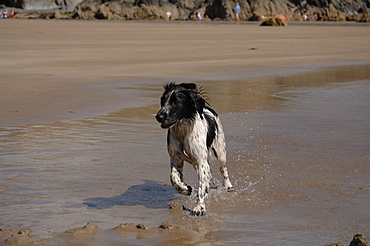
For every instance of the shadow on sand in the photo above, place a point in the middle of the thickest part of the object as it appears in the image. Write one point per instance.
(151, 194)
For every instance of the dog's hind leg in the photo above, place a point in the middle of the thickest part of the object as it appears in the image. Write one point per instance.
(177, 178)
(221, 156)
(220, 152)
(226, 179)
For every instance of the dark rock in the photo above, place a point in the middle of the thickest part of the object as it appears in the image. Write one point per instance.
(141, 226)
(103, 13)
(359, 240)
(365, 17)
(22, 237)
(86, 231)
(42, 4)
(168, 225)
(274, 21)
(216, 9)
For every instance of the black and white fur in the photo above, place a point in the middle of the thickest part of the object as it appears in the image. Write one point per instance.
(194, 130)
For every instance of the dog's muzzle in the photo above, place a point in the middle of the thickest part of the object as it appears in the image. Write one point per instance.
(161, 118)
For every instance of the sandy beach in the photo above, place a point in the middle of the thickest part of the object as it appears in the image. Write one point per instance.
(49, 67)
(83, 161)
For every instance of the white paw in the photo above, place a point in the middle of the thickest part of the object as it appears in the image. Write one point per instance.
(230, 189)
(198, 211)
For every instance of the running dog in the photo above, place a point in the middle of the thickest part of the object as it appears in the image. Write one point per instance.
(194, 131)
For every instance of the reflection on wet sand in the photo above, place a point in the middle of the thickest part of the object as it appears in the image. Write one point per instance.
(267, 93)
(298, 154)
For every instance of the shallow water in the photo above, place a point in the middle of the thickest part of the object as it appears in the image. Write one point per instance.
(298, 154)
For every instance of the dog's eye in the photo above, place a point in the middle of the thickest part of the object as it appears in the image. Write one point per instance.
(176, 101)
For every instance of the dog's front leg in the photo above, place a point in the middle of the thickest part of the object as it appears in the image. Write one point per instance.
(204, 177)
(177, 178)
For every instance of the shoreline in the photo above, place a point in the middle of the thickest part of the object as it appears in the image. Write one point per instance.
(114, 101)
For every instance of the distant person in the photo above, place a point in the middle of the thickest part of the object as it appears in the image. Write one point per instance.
(237, 12)
(199, 16)
(169, 15)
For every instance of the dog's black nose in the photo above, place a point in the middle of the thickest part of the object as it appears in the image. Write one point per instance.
(160, 117)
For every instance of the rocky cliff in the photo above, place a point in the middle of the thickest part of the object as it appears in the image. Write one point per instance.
(41, 4)
(320, 10)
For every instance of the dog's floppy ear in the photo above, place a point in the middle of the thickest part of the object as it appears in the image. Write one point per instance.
(189, 86)
(198, 103)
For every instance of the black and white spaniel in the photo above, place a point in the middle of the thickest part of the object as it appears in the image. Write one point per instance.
(194, 130)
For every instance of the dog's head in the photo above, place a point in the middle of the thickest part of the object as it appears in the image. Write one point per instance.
(179, 102)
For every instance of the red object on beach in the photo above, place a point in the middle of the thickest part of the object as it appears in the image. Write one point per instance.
(281, 16)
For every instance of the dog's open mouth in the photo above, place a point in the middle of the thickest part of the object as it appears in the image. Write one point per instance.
(166, 125)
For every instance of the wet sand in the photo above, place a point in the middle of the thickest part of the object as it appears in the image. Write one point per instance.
(80, 144)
